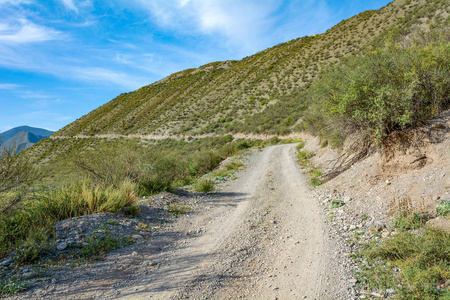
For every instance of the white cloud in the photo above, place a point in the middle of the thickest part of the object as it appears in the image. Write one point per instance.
(43, 115)
(240, 26)
(102, 75)
(70, 5)
(27, 59)
(9, 86)
(25, 94)
(238, 23)
(24, 31)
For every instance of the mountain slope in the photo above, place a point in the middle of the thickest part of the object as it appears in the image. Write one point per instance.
(36, 131)
(22, 137)
(21, 141)
(259, 93)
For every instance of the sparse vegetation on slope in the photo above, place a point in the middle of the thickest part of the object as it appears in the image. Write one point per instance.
(262, 93)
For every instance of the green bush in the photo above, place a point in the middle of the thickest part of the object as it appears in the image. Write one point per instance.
(205, 186)
(37, 243)
(387, 89)
(304, 157)
(443, 208)
(300, 146)
(315, 173)
(336, 204)
(243, 145)
(159, 174)
(233, 165)
(177, 209)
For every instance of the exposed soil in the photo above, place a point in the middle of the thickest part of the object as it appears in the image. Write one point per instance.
(262, 236)
(413, 165)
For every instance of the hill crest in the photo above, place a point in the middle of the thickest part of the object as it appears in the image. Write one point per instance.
(258, 94)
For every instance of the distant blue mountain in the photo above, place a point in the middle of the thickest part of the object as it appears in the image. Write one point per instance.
(22, 137)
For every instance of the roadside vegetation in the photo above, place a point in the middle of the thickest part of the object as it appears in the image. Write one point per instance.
(80, 177)
(304, 157)
(414, 263)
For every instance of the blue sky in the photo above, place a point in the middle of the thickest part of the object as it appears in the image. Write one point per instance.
(60, 59)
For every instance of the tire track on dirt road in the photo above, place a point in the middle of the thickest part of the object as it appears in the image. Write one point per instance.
(263, 238)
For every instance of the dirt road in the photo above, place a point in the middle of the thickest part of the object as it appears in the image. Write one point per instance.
(261, 237)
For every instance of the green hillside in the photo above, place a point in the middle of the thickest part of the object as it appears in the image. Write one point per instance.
(261, 93)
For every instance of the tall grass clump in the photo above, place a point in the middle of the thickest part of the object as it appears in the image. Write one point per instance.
(205, 186)
(29, 228)
(85, 198)
(406, 216)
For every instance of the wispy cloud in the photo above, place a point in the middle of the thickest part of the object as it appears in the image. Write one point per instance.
(70, 5)
(9, 86)
(238, 22)
(27, 94)
(102, 75)
(240, 26)
(66, 68)
(15, 2)
(43, 115)
(23, 31)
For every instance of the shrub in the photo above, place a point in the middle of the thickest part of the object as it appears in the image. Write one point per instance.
(227, 150)
(243, 145)
(37, 243)
(387, 89)
(13, 286)
(159, 174)
(443, 208)
(315, 174)
(233, 165)
(336, 204)
(406, 220)
(16, 174)
(406, 215)
(112, 165)
(304, 156)
(300, 146)
(205, 186)
(177, 209)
